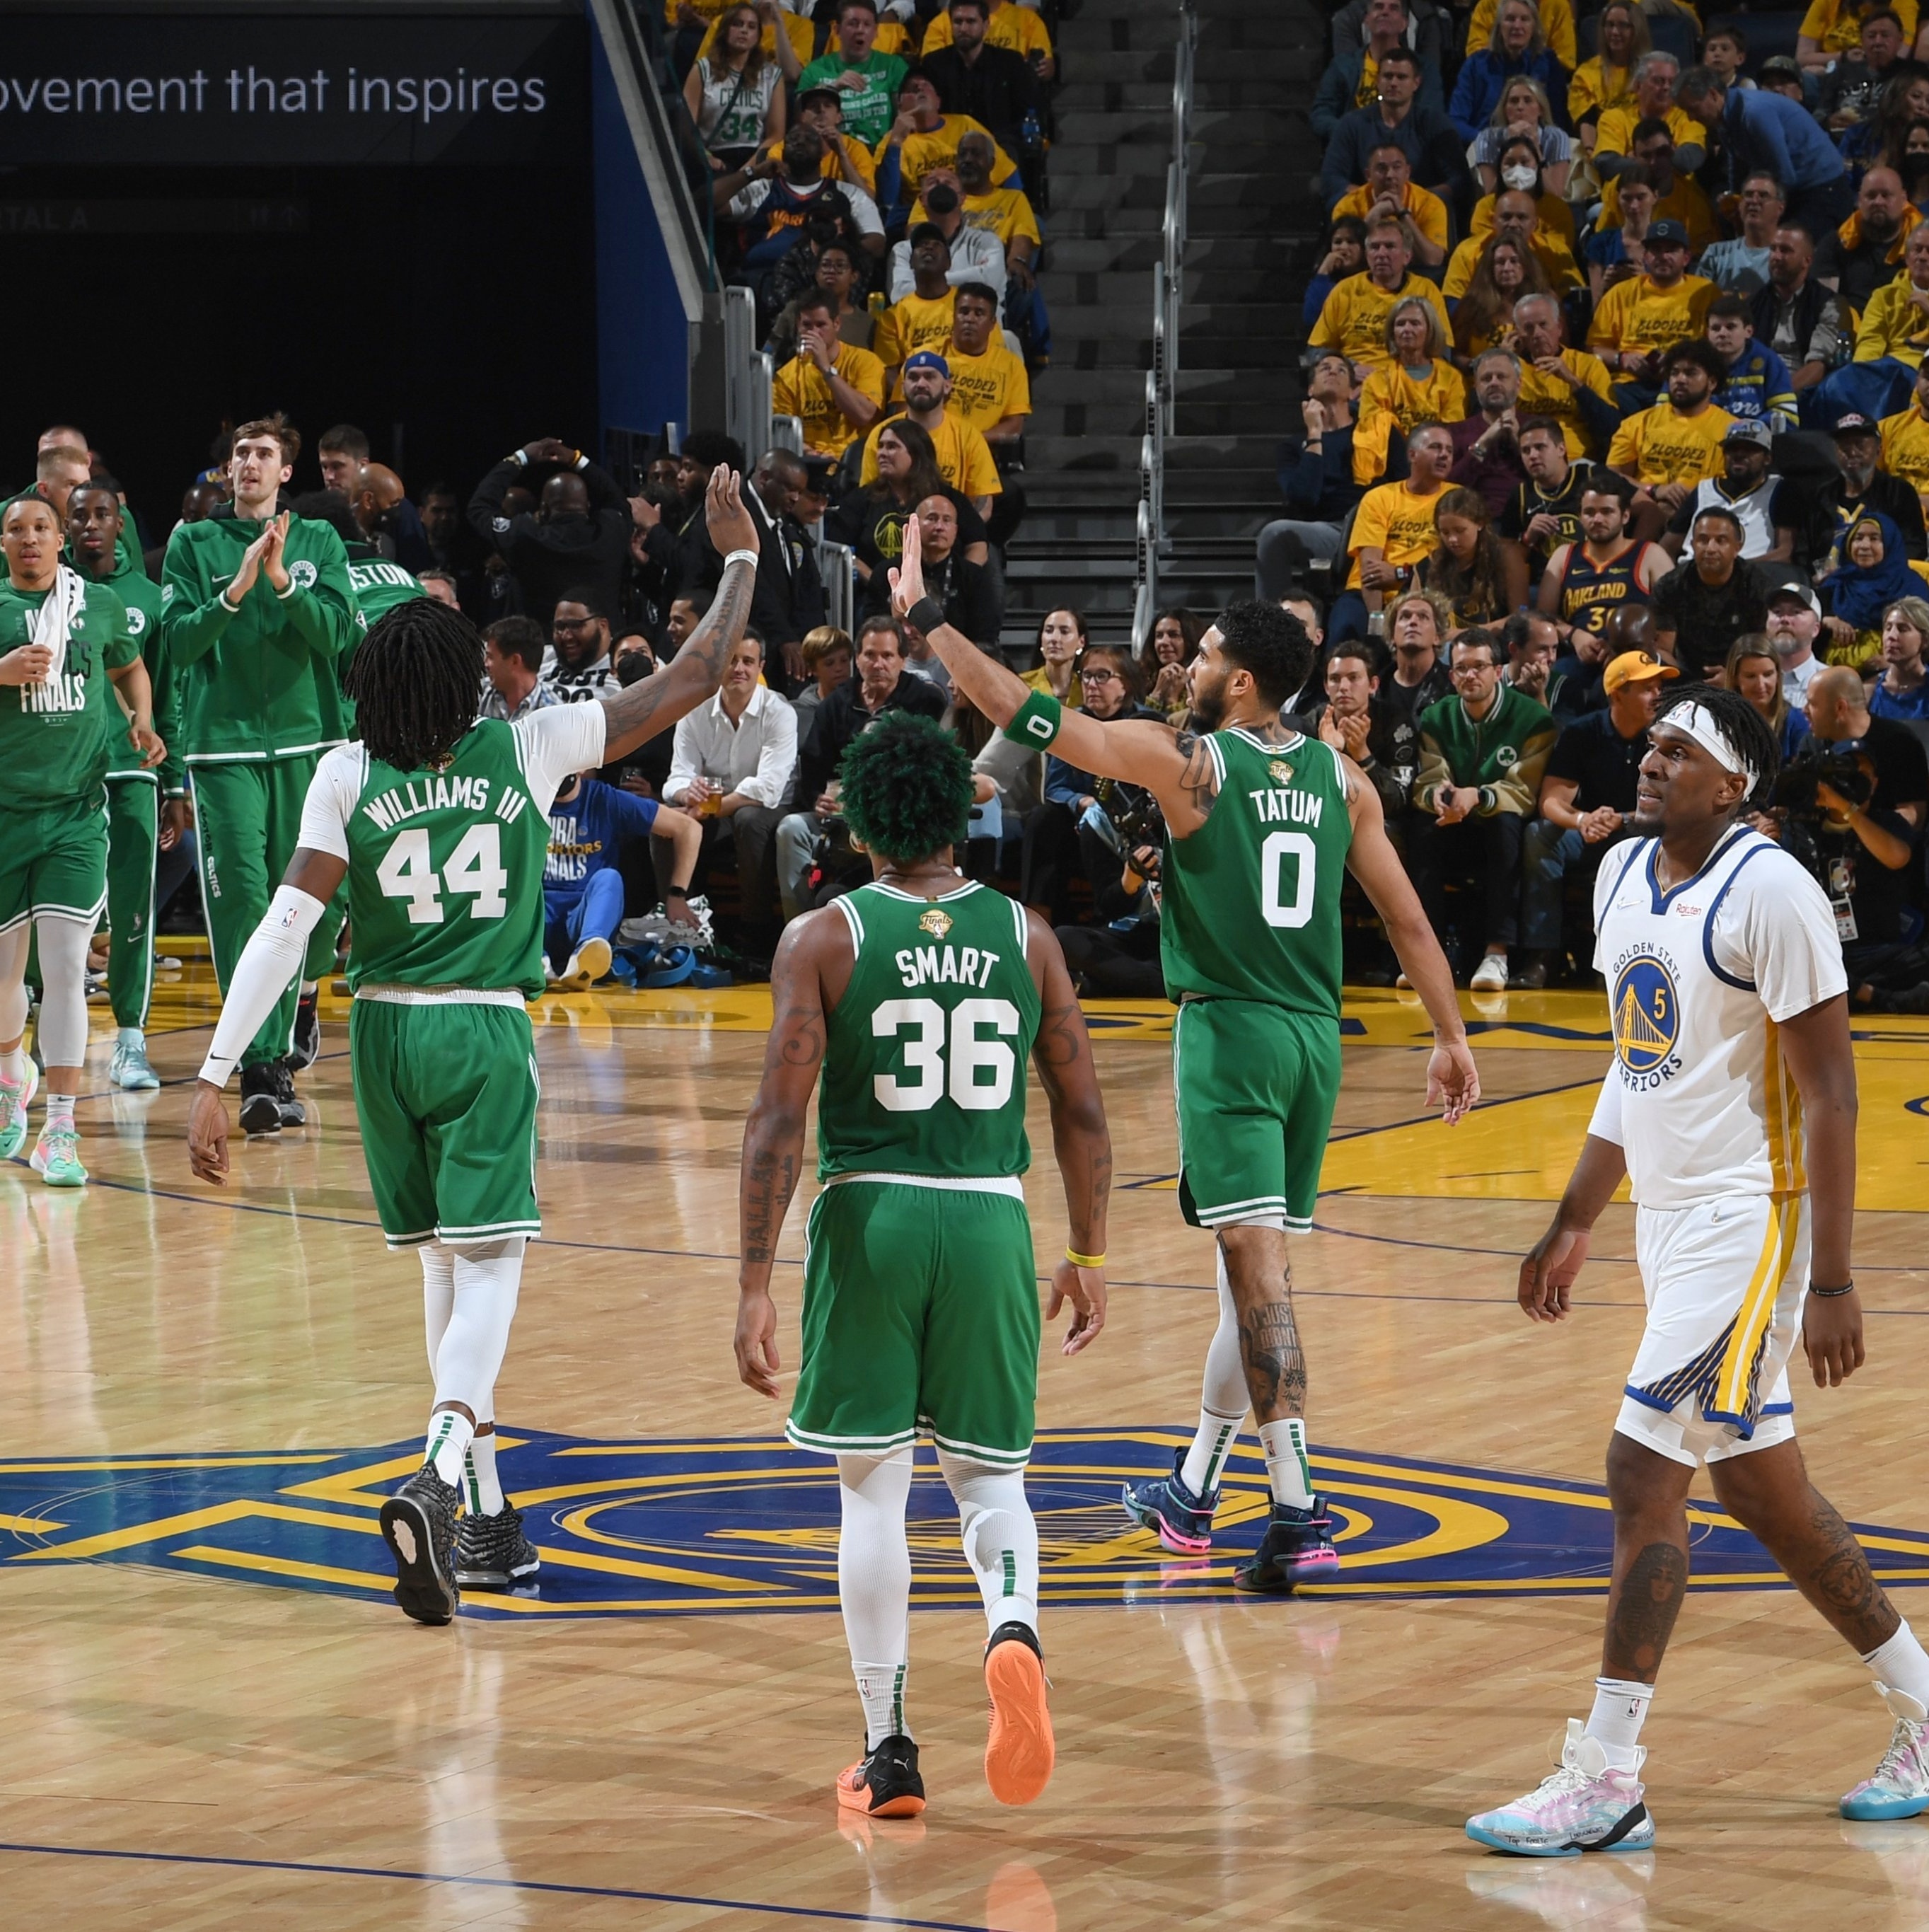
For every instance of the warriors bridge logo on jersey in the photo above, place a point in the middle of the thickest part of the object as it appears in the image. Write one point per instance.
(673, 1527)
(1647, 1019)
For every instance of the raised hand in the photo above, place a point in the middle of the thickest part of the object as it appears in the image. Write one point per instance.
(730, 525)
(908, 577)
(274, 541)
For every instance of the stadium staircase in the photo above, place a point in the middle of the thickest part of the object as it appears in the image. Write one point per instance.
(1252, 229)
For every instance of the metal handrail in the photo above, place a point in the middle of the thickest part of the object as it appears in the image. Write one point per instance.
(837, 565)
(1162, 384)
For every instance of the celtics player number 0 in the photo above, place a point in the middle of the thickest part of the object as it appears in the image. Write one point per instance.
(971, 1055)
(1273, 855)
(475, 870)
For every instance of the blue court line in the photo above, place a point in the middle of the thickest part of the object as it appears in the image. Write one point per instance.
(495, 1884)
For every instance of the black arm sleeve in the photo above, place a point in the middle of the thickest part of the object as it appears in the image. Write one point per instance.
(486, 505)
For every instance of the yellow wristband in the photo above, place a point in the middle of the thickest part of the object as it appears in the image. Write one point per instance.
(1084, 1261)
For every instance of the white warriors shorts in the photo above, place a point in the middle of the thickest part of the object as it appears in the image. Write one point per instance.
(1725, 1280)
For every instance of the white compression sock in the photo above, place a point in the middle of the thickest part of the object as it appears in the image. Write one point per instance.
(61, 1031)
(1222, 1397)
(1000, 1537)
(874, 1585)
(1902, 1664)
(1287, 1468)
(487, 1275)
(1620, 1708)
(485, 1486)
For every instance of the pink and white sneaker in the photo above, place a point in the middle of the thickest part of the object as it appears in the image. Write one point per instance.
(14, 1112)
(1583, 1807)
(1899, 1785)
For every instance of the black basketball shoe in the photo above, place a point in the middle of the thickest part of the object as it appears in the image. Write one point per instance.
(884, 1782)
(418, 1524)
(307, 1032)
(260, 1110)
(293, 1114)
(492, 1552)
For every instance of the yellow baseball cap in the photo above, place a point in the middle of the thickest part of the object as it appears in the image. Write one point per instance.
(1633, 667)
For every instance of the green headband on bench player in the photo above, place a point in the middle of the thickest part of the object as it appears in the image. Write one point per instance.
(1038, 722)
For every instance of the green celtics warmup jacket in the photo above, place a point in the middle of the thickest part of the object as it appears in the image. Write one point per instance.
(1503, 754)
(259, 682)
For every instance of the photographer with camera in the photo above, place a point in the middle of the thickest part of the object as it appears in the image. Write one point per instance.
(1850, 808)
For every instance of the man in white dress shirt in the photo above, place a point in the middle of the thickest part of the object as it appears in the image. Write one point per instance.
(731, 767)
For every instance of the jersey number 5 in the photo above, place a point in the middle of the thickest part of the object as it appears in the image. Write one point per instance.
(971, 1057)
(474, 869)
(1280, 846)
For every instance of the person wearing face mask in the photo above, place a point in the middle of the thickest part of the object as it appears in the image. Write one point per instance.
(1523, 114)
(974, 254)
(1518, 170)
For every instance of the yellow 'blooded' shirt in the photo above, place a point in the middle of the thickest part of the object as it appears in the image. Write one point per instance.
(1428, 211)
(1397, 521)
(1661, 446)
(1544, 395)
(939, 149)
(850, 161)
(801, 389)
(964, 457)
(1550, 250)
(1018, 28)
(1354, 318)
(1392, 393)
(1635, 318)
(1834, 27)
(912, 323)
(1595, 84)
(1616, 129)
(1557, 218)
(1905, 449)
(1004, 211)
(1892, 325)
(986, 388)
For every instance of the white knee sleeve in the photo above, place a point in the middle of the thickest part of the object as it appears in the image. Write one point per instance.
(1000, 1535)
(62, 1036)
(873, 1559)
(13, 981)
(1223, 1389)
(487, 1275)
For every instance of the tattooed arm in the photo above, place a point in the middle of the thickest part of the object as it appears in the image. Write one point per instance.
(655, 702)
(773, 1134)
(1174, 765)
(1062, 1054)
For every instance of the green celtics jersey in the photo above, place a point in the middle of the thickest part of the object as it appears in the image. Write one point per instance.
(445, 871)
(56, 736)
(378, 585)
(924, 1061)
(142, 595)
(1251, 904)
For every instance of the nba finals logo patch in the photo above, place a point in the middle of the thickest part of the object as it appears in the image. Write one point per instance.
(714, 1526)
(936, 921)
(1282, 772)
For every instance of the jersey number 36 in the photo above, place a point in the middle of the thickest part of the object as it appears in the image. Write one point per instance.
(980, 1071)
(475, 870)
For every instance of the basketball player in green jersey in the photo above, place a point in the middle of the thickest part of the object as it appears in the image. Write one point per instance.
(440, 824)
(135, 836)
(1260, 823)
(913, 1003)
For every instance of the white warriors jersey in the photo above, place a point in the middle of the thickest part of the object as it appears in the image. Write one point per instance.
(1699, 976)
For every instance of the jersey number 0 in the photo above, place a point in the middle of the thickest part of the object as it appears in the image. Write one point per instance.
(971, 1057)
(1279, 846)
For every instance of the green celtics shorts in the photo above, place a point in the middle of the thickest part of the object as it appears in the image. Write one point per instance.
(446, 1092)
(920, 1311)
(53, 860)
(1255, 1086)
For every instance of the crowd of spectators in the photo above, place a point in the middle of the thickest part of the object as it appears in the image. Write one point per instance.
(876, 174)
(1615, 375)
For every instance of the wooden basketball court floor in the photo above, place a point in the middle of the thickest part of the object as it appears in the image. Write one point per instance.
(214, 1717)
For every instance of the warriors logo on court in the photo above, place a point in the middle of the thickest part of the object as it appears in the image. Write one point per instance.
(671, 1527)
(1647, 1016)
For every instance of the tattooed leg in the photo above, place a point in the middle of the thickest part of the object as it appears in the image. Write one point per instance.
(1649, 1493)
(1269, 1343)
(1769, 1494)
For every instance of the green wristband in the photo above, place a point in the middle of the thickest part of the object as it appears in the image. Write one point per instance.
(1037, 722)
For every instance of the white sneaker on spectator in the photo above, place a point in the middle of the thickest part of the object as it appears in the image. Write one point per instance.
(659, 928)
(587, 964)
(1490, 975)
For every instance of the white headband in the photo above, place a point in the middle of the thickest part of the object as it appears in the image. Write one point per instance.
(1698, 723)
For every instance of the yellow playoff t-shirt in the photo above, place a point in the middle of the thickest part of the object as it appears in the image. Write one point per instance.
(913, 323)
(1635, 318)
(986, 388)
(1661, 446)
(1544, 395)
(801, 389)
(1354, 320)
(1396, 521)
(964, 457)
